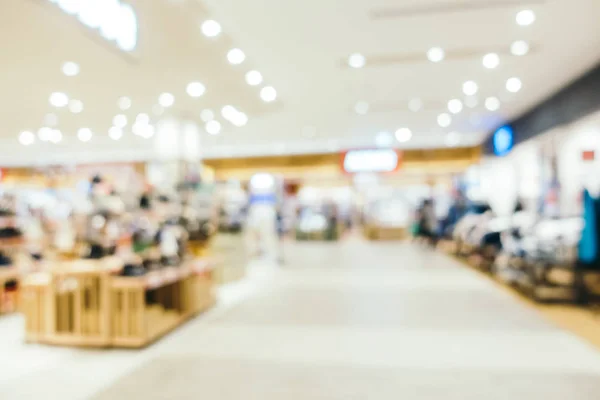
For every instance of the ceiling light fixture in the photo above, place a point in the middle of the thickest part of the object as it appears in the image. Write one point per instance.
(361, 108)
(384, 139)
(268, 94)
(195, 89)
(26, 138)
(491, 60)
(213, 127)
(85, 134)
(236, 56)
(525, 17)
(120, 121)
(59, 99)
(207, 115)
(403, 135)
(455, 106)
(70, 68)
(444, 120)
(492, 103)
(415, 105)
(124, 103)
(240, 119)
(254, 78)
(470, 88)
(228, 112)
(115, 133)
(142, 118)
(44, 134)
(357, 60)
(513, 85)
(519, 48)
(211, 28)
(436, 54)
(166, 100)
(75, 106)
(55, 136)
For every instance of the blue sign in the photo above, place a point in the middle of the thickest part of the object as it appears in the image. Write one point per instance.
(503, 141)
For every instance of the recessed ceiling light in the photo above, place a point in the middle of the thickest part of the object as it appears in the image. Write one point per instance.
(357, 60)
(403, 135)
(26, 138)
(158, 110)
(59, 99)
(492, 103)
(268, 94)
(55, 136)
(207, 115)
(142, 118)
(513, 85)
(70, 68)
(44, 134)
(166, 100)
(142, 129)
(384, 139)
(120, 121)
(69, 6)
(444, 120)
(415, 105)
(240, 119)
(115, 133)
(471, 101)
(213, 127)
(211, 28)
(491, 60)
(525, 17)
(254, 78)
(436, 54)
(85, 134)
(470, 88)
(228, 112)
(452, 139)
(361, 108)
(519, 48)
(455, 106)
(75, 106)
(51, 120)
(236, 56)
(195, 89)
(124, 103)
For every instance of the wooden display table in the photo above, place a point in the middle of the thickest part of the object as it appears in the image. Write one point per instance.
(83, 303)
(8, 295)
(380, 232)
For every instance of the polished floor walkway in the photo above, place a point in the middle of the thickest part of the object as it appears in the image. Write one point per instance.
(346, 321)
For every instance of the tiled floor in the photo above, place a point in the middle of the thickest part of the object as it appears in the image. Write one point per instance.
(345, 321)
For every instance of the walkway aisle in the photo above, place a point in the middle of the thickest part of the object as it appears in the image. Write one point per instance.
(357, 320)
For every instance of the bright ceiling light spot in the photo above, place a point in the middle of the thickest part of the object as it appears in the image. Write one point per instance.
(26, 138)
(120, 121)
(144, 130)
(357, 60)
(415, 105)
(195, 89)
(361, 108)
(471, 101)
(128, 28)
(452, 139)
(254, 78)
(228, 112)
(69, 6)
(142, 118)
(525, 17)
(384, 139)
(491, 60)
(51, 120)
(513, 85)
(268, 94)
(59, 99)
(115, 133)
(211, 28)
(240, 119)
(470, 88)
(110, 27)
(75, 106)
(207, 115)
(44, 134)
(444, 120)
(55, 136)
(70, 68)
(85, 134)
(213, 127)
(90, 13)
(236, 56)
(124, 103)
(166, 100)
(403, 135)
(492, 103)
(519, 48)
(455, 106)
(436, 54)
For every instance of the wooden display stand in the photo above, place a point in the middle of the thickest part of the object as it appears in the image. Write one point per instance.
(8, 298)
(377, 232)
(82, 303)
